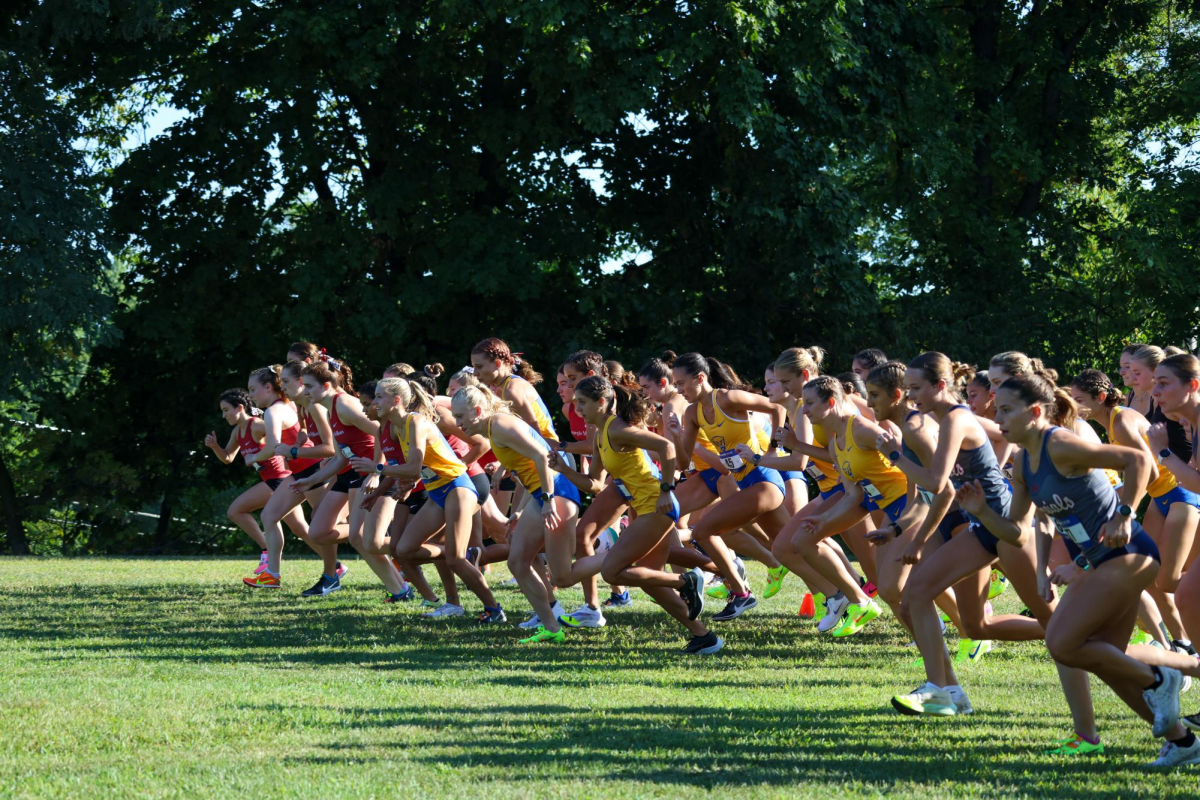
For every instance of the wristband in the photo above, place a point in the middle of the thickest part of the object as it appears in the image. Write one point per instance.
(295, 451)
(894, 456)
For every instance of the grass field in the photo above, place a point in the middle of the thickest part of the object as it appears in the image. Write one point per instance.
(163, 677)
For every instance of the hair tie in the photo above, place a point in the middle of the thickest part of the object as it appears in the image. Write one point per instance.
(333, 364)
(274, 368)
(517, 358)
(255, 411)
(469, 370)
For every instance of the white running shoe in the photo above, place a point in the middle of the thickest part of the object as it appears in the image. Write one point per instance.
(1163, 701)
(444, 610)
(584, 617)
(534, 621)
(962, 703)
(1172, 755)
(835, 609)
(926, 699)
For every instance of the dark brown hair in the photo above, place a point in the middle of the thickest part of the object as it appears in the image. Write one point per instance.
(495, 349)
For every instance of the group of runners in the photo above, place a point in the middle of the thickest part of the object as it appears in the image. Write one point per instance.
(947, 485)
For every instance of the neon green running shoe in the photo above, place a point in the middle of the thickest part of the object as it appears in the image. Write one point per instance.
(856, 618)
(1076, 746)
(1141, 637)
(972, 650)
(430, 603)
(998, 584)
(543, 635)
(718, 592)
(774, 581)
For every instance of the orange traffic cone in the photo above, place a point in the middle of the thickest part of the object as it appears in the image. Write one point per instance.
(808, 609)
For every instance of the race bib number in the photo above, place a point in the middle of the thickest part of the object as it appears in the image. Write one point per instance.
(814, 472)
(622, 489)
(428, 474)
(1070, 527)
(869, 488)
(732, 461)
(925, 495)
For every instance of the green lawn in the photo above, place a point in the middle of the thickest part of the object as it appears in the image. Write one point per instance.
(163, 677)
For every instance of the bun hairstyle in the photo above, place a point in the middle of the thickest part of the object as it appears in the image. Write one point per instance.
(307, 352)
(433, 372)
(269, 376)
(826, 388)
(1016, 364)
(628, 405)
(889, 376)
(852, 384)
(240, 397)
(1034, 389)
(1093, 381)
(1173, 351)
(413, 398)
(495, 349)
(479, 396)
(335, 373)
(1185, 367)
(398, 370)
(798, 359)
(1150, 355)
(937, 367)
(465, 377)
(720, 375)
(656, 369)
(586, 361)
(871, 357)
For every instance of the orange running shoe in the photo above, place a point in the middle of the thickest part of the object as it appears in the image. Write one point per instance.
(263, 580)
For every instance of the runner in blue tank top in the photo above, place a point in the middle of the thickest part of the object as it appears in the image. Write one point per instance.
(1061, 473)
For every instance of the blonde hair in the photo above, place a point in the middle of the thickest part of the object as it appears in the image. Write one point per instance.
(1149, 354)
(414, 399)
(485, 399)
(1017, 364)
(798, 359)
(465, 377)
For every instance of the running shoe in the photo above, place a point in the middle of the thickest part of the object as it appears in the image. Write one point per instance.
(444, 610)
(870, 590)
(1163, 700)
(704, 645)
(431, 603)
(690, 592)
(1192, 723)
(543, 635)
(534, 621)
(972, 650)
(857, 617)
(1172, 755)
(491, 616)
(584, 617)
(401, 597)
(774, 581)
(510, 582)
(262, 563)
(322, 587)
(1076, 746)
(263, 580)
(835, 609)
(616, 600)
(341, 570)
(997, 586)
(808, 607)
(962, 703)
(735, 608)
(718, 592)
(926, 699)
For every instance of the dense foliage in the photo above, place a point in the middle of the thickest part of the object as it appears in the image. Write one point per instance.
(399, 179)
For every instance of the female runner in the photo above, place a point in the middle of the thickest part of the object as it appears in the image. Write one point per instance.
(964, 455)
(413, 417)
(1143, 361)
(513, 379)
(637, 558)
(866, 360)
(523, 451)
(246, 438)
(716, 396)
(1114, 558)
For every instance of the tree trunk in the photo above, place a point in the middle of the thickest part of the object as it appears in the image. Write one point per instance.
(13, 524)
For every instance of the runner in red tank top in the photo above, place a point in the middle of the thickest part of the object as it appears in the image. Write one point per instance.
(329, 385)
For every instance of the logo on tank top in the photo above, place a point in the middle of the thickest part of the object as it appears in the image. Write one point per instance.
(1057, 505)
(849, 473)
(719, 443)
(957, 470)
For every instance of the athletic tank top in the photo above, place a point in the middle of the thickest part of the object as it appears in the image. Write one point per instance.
(724, 434)
(515, 462)
(267, 470)
(545, 425)
(882, 480)
(1165, 481)
(823, 472)
(980, 465)
(310, 428)
(577, 423)
(288, 437)
(393, 453)
(639, 478)
(440, 465)
(1079, 506)
(361, 443)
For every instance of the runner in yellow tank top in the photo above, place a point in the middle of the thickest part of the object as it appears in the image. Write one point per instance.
(717, 398)
(496, 367)
(640, 552)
